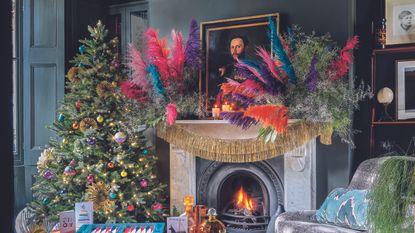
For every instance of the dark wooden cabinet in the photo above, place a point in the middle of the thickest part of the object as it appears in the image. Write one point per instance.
(393, 132)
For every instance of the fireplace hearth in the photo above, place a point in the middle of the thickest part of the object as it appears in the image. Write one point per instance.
(246, 195)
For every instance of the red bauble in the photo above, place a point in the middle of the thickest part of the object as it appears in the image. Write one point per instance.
(75, 125)
(157, 206)
(130, 208)
(78, 104)
(144, 183)
(110, 165)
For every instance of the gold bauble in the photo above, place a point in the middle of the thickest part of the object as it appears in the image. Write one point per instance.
(114, 84)
(124, 173)
(134, 144)
(111, 124)
(65, 141)
(100, 119)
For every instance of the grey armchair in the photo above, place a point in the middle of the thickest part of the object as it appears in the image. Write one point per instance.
(302, 221)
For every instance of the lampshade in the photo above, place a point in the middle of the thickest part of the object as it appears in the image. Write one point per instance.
(385, 95)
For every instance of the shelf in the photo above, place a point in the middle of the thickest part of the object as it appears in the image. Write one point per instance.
(393, 122)
(394, 50)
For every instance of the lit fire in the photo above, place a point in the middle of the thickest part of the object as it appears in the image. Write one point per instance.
(243, 201)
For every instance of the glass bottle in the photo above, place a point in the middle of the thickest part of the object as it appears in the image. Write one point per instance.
(188, 202)
(212, 225)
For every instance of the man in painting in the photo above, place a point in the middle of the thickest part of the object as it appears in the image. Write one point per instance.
(405, 22)
(237, 47)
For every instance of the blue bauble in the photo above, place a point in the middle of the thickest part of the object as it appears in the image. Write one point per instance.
(63, 192)
(82, 49)
(61, 117)
(145, 151)
(113, 195)
(45, 201)
(90, 141)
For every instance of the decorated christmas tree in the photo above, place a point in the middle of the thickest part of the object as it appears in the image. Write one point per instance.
(96, 158)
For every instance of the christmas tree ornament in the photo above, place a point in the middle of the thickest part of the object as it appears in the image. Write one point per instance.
(98, 193)
(46, 156)
(130, 208)
(144, 183)
(104, 89)
(63, 192)
(70, 170)
(65, 141)
(120, 137)
(72, 75)
(110, 165)
(124, 173)
(48, 175)
(82, 49)
(61, 117)
(157, 206)
(81, 65)
(91, 141)
(45, 201)
(90, 178)
(78, 104)
(114, 84)
(134, 145)
(100, 119)
(113, 195)
(87, 123)
(111, 124)
(75, 125)
(145, 151)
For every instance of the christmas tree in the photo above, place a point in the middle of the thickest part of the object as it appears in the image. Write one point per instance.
(96, 158)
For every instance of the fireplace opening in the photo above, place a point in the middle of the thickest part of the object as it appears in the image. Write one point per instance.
(243, 203)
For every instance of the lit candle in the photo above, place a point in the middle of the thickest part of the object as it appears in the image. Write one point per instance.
(215, 112)
(225, 107)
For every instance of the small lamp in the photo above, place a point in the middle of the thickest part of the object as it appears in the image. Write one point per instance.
(385, 97)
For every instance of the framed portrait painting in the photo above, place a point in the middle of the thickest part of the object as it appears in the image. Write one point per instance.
(405, 86)
(223, 42)
(400, 25)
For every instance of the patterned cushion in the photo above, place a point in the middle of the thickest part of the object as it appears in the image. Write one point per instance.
(346, 208)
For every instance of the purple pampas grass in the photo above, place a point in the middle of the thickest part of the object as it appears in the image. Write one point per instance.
(313, 75)
(238, 118)
(192, 50)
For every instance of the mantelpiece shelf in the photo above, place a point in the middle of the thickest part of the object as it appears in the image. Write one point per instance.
(393, 122)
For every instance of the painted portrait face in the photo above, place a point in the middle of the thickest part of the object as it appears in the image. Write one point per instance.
(237, 47)
(407, 21)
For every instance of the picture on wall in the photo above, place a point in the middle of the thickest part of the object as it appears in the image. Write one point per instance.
(223, 42)
(400, 25)
(405, 84)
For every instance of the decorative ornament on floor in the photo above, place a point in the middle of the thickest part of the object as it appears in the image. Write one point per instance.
(303, 79)
(98, 193)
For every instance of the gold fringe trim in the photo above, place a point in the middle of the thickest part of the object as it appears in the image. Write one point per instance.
(245, 150)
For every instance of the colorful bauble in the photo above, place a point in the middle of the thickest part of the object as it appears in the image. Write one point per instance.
(69, 171)
(145, 151)
(75, 125)
(124, 173)
(120, 137)
(82, 49)
(90, 178)
(110, 165)
(91, 141)
(100, 119)
(157, 206)
(61, 117)
(78, 104)
(45, 201)
(130, 208)
(72, 163)
(112, 195)
(87, 123)
(48, 175)
(144, 183)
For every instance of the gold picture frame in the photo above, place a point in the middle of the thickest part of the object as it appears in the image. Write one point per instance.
(400, 21)
(216, 36)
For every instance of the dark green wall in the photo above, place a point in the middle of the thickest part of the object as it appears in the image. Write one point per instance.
(333, 16)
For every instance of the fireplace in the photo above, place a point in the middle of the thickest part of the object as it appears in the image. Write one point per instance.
(245, 195)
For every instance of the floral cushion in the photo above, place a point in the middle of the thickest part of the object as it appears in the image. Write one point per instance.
(346, 208)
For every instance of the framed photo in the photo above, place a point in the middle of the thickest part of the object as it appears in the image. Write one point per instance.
(405, 86)
(225, 40)
(400, 24)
